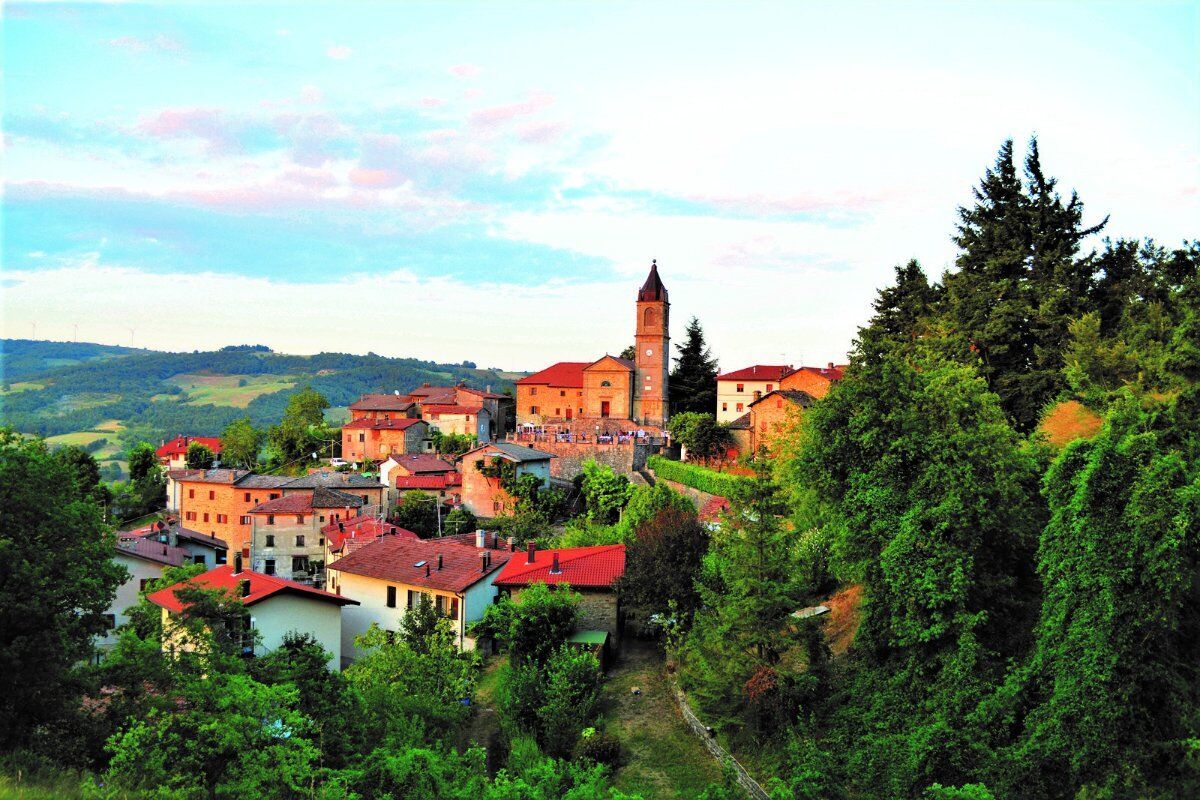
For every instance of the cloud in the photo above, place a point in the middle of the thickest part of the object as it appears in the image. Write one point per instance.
(464, 70)
(208, 124)
(498, 115)
(339, 52)
(136, 44)
(311, 94)
(540, 132)
(432, 102)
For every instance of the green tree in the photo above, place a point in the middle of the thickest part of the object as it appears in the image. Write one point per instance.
(419, 625)
(629, 353)
(84, 470)
(902, 309)
(662, 562)
(418, 512)
(1110, 692)
(241, 443)
(701, 435)
(694, 378)
(57, 581)
(1093, 366)
(200, 456)
(605, 493)
(143, 462)
(535, 625)
(452, 444)
(302, 430)
(459, 520)
(646, 503)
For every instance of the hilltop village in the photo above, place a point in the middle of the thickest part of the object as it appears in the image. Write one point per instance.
(333, 542)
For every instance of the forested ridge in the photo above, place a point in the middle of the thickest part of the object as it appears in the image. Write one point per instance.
(133, 387)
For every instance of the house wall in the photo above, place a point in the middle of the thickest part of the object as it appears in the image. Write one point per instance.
(545, 399)
(598, 610)
(807, 380)
(625, 459)
(769, 419)
(728, 397)
(377, 444)
(371, 593)
(483, 496)
(227, 501)
(285, 530)
(477, 425)
(284, 613)
(128, 593)
(619, 392)
(211, 557)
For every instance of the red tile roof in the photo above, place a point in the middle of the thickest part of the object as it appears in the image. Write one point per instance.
(179, 445)
(581, 567)
(481, 393)
(395, 559)
(797, 396)
(421, 462)
(440, 481)
(400, 424)
(305, 502)
(261, 587)
(567, 374)
(449, 408)
(381, 402)
(362, 530)
(833, 373)
(758, 372)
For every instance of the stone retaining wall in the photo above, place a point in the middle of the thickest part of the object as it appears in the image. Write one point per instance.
(723, 757)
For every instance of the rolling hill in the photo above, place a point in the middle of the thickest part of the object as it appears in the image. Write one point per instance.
(81, 393)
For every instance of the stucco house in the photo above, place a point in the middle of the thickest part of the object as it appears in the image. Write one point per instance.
(390, 575)
(277, 607)
(145, 560)
(591, 571)
(483, 492)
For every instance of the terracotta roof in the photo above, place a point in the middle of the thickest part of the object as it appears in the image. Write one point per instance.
(711, 512)
(179, 445)
(450, 408)
(581, 567)
(421, 462)
(400, 424)
(229, 476)
(758, 372)
(150, 550)
(742, 423)
(183, 474)
(652, 289)
(394, 559)
(304, 503)
(428, 391)
(492, 540)
(567, 374)
(481, 393)
(381, 402)
(362, 530)
(174, 529)
(261, 588)
(800, 398)
(439, 481)
(624, 362)
(514, 451)
(833, 372)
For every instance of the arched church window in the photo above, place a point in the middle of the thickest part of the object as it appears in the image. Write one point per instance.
(650, 317)
(605, 383)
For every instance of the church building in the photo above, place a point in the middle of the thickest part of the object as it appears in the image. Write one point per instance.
(609, 388)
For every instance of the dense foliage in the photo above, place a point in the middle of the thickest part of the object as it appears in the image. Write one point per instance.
(693, 380)
(695, 476)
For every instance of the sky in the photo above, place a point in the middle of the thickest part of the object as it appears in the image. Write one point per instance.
(489, 182)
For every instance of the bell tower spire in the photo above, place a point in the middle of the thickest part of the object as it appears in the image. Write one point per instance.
(652, 362)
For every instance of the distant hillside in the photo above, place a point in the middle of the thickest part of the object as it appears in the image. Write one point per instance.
(63, 390)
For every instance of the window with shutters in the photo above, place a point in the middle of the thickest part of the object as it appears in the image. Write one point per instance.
(300, 541)
(391, 596)
(270, 540)
(192, 493)
(269, 566)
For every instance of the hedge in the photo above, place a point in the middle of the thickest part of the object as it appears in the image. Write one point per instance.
(693, 475)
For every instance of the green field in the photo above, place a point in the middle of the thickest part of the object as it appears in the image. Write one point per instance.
(224, 390)
(112, 450)
(22, 386)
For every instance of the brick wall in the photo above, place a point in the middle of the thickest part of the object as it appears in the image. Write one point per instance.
(807, 380)
(769, 418)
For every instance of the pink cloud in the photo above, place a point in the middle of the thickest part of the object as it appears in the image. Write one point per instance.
(136, 44)
(498, 115)
(432, 102)
(473, 94)
(312, 178)
(464, 70)
(540, 132)
(441, 135)
(311, 94)
(373, 178)
(796, 204)
(208, 124)
(339, 52)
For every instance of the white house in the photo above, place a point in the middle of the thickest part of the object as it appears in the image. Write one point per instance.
(391, 574)
(145, 559)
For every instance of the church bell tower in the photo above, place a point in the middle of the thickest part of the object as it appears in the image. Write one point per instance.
(653, 362)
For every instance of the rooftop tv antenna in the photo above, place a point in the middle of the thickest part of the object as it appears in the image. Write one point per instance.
(130, 336)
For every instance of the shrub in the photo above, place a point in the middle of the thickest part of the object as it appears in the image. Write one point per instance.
(602, 748)
(695, 476)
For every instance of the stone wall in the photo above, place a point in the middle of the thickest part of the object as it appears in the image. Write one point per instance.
(625, 459)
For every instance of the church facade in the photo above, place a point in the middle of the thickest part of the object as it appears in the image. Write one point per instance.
(609, 388)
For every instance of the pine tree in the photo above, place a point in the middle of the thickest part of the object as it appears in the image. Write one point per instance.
(694, 379)
(899, 309)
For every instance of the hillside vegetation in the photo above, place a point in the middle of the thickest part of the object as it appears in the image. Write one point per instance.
(85, 391)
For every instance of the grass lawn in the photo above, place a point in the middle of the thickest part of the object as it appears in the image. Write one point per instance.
(223, 390)
(663, 758)
(22, 386)
(338, 415)
(81, 438)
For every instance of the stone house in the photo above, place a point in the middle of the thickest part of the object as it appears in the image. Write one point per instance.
(816, 381)
(383, 406)
(390, 575)
(368, 439)
(771, 414)
(201, 548)
(173, 454)
(217, 502)
(287, 536)
(484, 469)
(591, 571)
(460, 419)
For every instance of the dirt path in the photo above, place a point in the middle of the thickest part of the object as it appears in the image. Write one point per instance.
(662, 757)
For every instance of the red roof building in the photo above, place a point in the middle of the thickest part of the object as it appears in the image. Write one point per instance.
(564, 374)
(428, 564)
(817, 381)
(581, 567)
(353, 533)
(261, 587)
(173, 454)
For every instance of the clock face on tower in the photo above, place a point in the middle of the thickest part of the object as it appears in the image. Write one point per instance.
(649, 352)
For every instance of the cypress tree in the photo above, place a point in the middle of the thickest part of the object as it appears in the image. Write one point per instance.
(694, 379)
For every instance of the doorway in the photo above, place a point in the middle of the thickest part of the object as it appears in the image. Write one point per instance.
(605, 407)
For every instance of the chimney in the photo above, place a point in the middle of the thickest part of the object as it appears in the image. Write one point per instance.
(341, 527)
(426, 570)
(244, 587)
(483, 562)
(164, 548)
(529, 552)
(554, 568)
(439, 562)
(754, 369)
(237, 564)
(481, 538)
(512, 544)
(830, 365)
